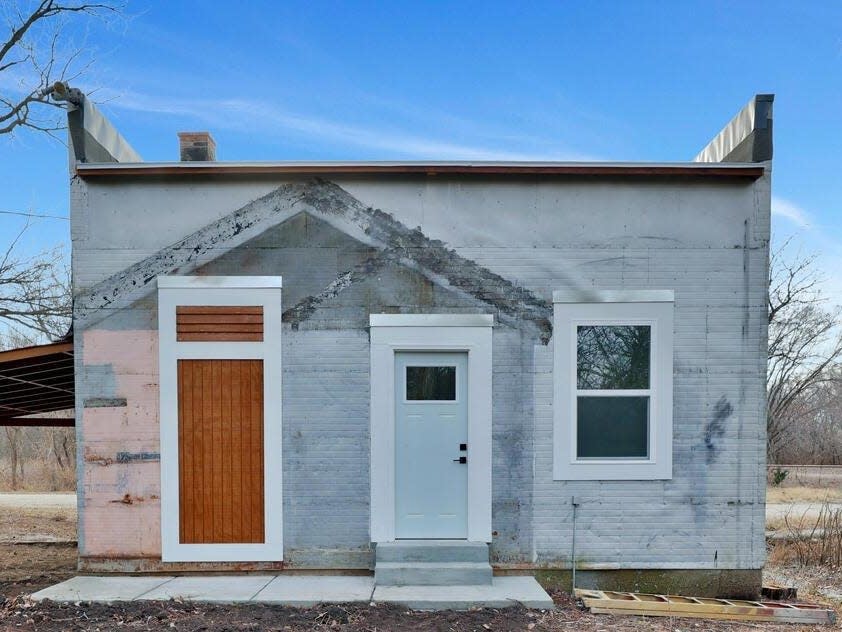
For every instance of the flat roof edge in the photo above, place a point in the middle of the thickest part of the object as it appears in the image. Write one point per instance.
(692, 169)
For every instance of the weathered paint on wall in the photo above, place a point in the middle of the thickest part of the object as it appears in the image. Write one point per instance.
(479, 244)
(119, 473)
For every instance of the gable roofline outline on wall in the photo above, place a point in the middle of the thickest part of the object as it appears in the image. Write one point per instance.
(394, 242)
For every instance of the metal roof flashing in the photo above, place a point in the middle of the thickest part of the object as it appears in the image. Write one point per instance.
(738, 170)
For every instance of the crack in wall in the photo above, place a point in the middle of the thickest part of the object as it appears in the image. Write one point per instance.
(307, 306)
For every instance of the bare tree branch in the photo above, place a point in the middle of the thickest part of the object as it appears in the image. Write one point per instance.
(33, 55)
(805, 352)
(34, 292)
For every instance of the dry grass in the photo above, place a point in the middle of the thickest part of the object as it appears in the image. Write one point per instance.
(815, 542)
(806, 501)
(827, 476)
(803, 494)
(802, 520)
(24, 523)
(39, 476)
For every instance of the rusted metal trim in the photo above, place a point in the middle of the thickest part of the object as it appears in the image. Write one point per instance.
(105, 402)
(35, 352)
(42, 422)
(716, 170)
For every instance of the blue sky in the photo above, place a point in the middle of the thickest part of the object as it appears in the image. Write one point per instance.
(648, 81)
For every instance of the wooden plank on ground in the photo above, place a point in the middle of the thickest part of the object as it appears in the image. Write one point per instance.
(653, 605)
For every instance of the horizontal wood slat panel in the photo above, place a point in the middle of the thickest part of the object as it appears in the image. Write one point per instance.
(207, 323)
(198, 319)
(221, 327)
(220, 433)
(220, 337)
(219, 309)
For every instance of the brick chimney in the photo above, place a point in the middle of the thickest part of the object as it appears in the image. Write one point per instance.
(196, 146)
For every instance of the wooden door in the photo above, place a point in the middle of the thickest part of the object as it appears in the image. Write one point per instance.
(220, 449)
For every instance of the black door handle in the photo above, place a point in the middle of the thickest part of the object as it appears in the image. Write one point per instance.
(461, 459)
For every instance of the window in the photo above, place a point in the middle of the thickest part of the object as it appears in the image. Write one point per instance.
(431, 383)
(613, 385)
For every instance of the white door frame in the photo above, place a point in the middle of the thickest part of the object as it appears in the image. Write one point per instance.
(469, 333)
(233, 290)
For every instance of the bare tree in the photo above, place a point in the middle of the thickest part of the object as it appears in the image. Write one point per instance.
(34, 293)
(814, 434)
(13, 436)
(805, 346)
(36, 54)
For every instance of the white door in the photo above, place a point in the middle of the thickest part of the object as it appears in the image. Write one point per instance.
(431, 443)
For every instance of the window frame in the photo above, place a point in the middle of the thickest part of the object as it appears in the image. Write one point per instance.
(571, 310)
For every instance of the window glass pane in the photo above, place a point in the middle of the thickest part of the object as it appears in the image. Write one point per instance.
(612, 356)
(431, 383)
(612, 427)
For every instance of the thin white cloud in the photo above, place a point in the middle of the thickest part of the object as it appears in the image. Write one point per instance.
(791, 211)
(264, 117)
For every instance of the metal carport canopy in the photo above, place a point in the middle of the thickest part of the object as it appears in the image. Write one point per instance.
(34, 381)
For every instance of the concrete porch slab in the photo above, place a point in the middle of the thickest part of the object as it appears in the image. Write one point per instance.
(101, 589)
(502, 593)
(304, 591)
(216, 588)
(298, 590)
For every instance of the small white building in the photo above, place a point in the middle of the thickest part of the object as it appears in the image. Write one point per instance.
(287, 366)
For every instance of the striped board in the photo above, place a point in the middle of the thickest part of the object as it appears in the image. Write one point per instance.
(651, 605)
(208, 323)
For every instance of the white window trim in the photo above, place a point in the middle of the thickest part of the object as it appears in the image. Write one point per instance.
(184, 290)
(392, 333)
(648, 307)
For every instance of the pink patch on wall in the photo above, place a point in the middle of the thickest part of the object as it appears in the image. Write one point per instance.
(121, 475)
(128, 352)
(127, 527)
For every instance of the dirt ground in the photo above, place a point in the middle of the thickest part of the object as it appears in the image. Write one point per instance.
(37, 524)
(25, 568)
(21, 615)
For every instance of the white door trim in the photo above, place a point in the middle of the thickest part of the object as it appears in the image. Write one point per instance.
(265, 291)
(430, 332)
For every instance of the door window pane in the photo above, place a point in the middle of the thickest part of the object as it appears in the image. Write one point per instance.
(436, 383)
(612, 356)
(612, 427)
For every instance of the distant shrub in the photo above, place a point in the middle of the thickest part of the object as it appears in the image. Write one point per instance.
(779, 476)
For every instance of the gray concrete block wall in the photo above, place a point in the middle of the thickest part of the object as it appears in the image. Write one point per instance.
(710, 515)
(326, 444)
(539, 237)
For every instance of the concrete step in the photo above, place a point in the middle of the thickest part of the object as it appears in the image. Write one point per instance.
(501, 593)
(432, 573)
(432, 551)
